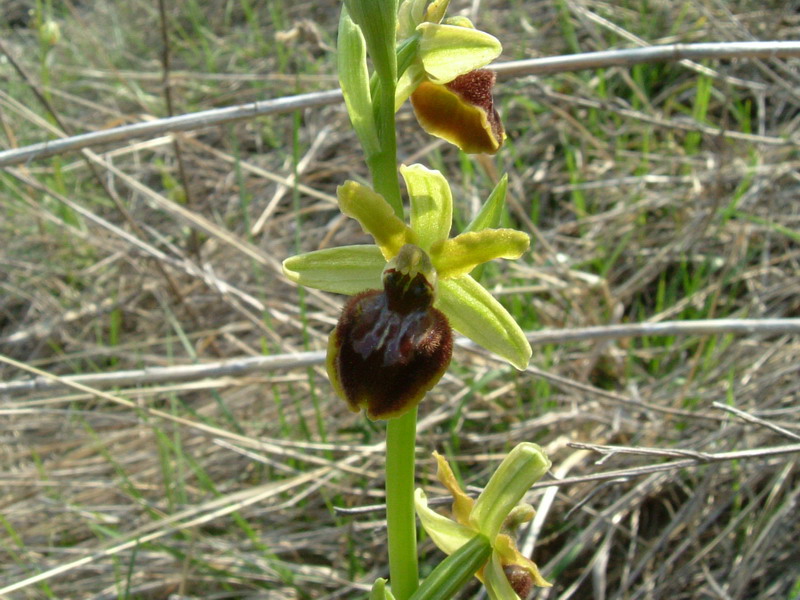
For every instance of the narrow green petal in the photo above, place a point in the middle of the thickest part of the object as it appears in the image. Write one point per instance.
(345, 270)
(448, 51)
(475, 313)
(376, 217)
(431, 204)
(491, 211)
(459, 255)
(448, 535)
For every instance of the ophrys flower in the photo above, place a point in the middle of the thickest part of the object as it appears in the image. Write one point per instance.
(507, 574)
(443, 263)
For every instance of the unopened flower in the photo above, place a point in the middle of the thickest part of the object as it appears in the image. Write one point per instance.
(427, 262)
(508, 575)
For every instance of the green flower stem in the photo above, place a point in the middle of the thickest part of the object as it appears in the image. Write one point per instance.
(401, 432)
(383, 164)
(401, 521)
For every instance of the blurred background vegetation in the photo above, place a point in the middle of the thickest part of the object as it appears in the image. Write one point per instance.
(653, 193)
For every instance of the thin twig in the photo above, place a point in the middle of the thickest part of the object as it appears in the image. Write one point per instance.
(746, 416)
(193, 241)
(622, 475)
(633, 56)
(699, 327)
(187, 122)
(697, 457)
(262, 364)
(536, 66)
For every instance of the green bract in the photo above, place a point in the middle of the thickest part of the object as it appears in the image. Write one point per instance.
(378, 22)
(469, 307)
(380, 591)
(507, 571)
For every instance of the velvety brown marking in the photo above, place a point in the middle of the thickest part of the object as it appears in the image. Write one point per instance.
(475, 87)
(393, 346)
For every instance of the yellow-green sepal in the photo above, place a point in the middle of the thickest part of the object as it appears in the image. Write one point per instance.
(431, 204)
(448, 535)
(447, 51)
(474, 312)
(459, 255)
(376, 216)
(521, 468)
(344, 270)
(443, 52)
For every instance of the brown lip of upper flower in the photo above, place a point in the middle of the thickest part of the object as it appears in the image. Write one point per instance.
(461, 112)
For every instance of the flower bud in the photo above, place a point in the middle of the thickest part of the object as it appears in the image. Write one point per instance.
(519, 579)
(390, 347)
(50, 32)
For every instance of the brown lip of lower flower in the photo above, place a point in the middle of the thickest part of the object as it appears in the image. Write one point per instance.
(390, 346)
(461, 112)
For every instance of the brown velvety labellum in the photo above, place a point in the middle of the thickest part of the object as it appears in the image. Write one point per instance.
(390, 347)
(461, 112)
(475, 87)
(520, 580)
